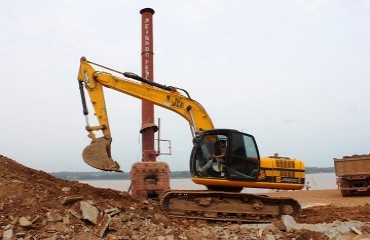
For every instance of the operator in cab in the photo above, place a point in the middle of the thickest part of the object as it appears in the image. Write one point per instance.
(219, 159)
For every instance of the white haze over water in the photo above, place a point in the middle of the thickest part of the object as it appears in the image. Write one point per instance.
(318, 181)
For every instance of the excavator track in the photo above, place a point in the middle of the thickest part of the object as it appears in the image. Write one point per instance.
(227, 206)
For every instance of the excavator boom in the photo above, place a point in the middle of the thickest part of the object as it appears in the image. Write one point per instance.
(97, 154)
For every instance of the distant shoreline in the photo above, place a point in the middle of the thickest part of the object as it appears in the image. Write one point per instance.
(82, 176)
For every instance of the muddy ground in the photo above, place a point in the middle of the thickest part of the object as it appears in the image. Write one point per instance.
(35, 205)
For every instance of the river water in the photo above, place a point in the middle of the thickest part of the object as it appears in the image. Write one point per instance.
(317, 181)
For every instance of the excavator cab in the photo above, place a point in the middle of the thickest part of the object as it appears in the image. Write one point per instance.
(225, 154)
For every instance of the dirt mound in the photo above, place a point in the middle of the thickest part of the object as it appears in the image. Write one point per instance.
(44, 202)
(27, 191)
(331, 213)
(35, 205)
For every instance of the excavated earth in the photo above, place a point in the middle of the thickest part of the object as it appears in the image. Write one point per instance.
(35, 205)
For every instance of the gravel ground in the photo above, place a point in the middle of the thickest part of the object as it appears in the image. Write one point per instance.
(35, 205)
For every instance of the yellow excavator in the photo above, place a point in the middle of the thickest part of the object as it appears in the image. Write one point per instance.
(239, 167)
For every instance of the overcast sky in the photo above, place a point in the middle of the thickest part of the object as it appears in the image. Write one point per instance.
(295, 74)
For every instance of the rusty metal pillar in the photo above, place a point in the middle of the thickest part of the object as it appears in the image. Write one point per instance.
(149, 178)
(148, 127)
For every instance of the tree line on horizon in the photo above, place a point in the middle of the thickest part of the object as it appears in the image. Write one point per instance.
(84, 176)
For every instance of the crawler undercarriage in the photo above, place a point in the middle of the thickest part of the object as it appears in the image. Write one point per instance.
(227, 206)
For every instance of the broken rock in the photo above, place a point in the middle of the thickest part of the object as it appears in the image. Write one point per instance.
(356, 230)
(279, 225)
(103, 225)
(112, 211)
(54, 216)
(289, 222)
(68, 200)
(8, 232)
(66, 189)
(24, 222)
(75, 214)
(20, 235)
(89, 212)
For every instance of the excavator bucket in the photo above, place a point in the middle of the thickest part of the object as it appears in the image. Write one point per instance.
(97, 155)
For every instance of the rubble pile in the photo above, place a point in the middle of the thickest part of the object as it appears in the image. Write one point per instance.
(35, 205)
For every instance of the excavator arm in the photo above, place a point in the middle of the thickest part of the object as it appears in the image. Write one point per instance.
(97, 154)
